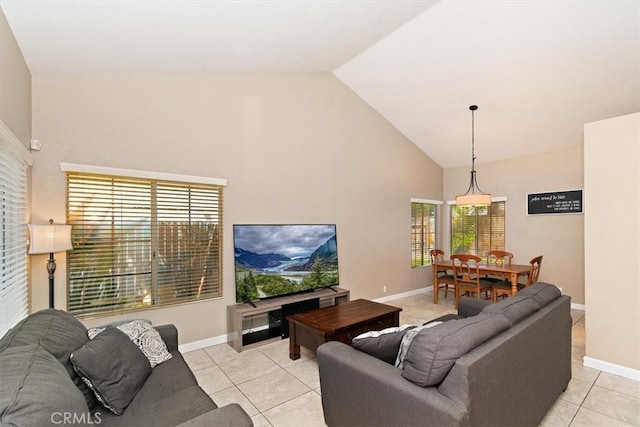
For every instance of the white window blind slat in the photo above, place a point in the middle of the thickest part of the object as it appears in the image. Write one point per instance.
(14, 298)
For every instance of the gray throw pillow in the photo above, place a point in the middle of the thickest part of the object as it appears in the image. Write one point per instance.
(542, 293)
(408, 339)
(433, 352)
(35, 389)
(382, 344)
(514, 308)
(113, 367)
(145, 336)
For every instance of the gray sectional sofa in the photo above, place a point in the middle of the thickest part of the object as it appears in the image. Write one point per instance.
(501, 364)
(39, 385)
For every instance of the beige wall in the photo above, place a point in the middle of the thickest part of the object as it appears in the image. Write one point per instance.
(612, 244)
(559, 238)
(15, 86)
(295, 148)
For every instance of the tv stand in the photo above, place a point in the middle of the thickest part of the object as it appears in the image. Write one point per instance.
(238, 312)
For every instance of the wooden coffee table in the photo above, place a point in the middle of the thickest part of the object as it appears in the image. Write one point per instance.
(341, 322)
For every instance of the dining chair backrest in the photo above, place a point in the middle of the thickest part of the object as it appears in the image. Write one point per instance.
(466, 267)
(534, 272)
(499, 257)
(436, 255)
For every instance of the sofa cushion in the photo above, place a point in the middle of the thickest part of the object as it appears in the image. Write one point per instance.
(433, 352)
(444, 318)
(59, 333)
(113, 367)
(142, 333)
(408, 339)
(166, 410)
(542, 293)
(382, 344)
(36, 388)
(514, 308)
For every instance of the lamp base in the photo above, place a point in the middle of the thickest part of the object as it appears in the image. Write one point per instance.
(51, 268)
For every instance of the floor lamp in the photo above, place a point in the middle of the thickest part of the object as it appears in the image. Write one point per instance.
(50, 238)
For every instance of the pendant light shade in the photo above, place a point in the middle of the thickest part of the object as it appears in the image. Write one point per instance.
(474, 196)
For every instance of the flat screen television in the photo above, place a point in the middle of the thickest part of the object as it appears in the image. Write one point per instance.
(275, 260)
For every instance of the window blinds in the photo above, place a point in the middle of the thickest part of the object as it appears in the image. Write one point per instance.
(141, 243)
(423, 232)
(476, 230)
(14, 298)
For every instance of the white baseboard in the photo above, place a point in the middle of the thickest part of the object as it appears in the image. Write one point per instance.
(611, 368)
(405, 294)
(577, 306)
(207, 342)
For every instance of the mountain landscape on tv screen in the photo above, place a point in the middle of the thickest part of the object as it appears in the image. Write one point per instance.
(285, 271)
(328, 252)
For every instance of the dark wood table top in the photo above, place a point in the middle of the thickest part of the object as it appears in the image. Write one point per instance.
(343, 315)
(491, 268)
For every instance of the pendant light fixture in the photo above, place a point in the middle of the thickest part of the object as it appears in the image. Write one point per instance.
(474, 196)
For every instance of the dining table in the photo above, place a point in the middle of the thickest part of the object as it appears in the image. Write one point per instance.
(510, 272)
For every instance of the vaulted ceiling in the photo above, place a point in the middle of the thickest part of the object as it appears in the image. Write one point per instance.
(538, 70)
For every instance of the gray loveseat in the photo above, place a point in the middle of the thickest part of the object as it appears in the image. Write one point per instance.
(501, 364)
(39, 385)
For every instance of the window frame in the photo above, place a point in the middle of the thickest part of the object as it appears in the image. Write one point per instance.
(431, 230)
(154, 237)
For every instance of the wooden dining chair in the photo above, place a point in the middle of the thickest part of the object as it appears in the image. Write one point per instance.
(503, 288)
(466, 273)
(442, 279)
(497, 257)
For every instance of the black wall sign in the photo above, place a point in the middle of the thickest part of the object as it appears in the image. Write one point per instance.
(556, 202)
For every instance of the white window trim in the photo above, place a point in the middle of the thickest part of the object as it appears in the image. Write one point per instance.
(132, 173)
(426, 201)
(15, 145)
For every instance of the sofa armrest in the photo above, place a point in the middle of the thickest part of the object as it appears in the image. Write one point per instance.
(468, 307)
(358, 389)
(231, 415)
(169, 335)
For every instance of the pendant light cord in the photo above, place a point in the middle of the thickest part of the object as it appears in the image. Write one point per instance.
(473, 109)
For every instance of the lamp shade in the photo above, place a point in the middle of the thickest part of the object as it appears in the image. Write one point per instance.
(474, 199)
(49, 238)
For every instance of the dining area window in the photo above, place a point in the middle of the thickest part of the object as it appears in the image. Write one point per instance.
(423, 231)
(477, 229)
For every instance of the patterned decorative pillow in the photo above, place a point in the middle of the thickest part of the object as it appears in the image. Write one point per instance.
(143, 334)
(382, 344)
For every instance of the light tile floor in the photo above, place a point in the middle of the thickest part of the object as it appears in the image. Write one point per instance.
(277, 391)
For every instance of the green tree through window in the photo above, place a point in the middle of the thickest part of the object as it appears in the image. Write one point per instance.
(477, 229)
